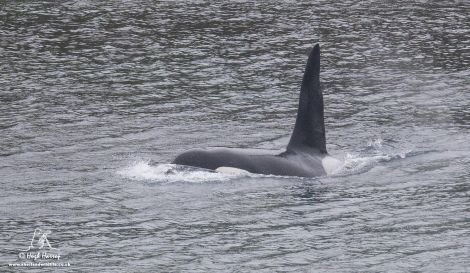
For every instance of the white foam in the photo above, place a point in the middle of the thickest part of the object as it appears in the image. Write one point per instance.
(353, 163)
(331, 164)
(167, 173)
(376, 143)
(379, 152)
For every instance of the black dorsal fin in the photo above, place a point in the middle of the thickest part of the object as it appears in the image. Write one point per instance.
(309, 131)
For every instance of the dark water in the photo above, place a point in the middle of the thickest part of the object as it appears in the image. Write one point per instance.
(96, 98)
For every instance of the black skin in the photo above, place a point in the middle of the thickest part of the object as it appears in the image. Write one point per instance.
(306, 148)
(285, 164)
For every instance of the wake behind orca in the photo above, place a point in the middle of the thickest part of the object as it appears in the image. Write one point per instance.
(306, 154)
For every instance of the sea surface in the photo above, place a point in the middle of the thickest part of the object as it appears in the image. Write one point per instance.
(98, 97)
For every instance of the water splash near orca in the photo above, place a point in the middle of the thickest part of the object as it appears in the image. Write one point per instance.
(376, 152)
(143, 170)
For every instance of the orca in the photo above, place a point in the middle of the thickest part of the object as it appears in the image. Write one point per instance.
(305, 155)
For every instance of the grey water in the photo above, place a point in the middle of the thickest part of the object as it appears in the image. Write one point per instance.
(98, 97)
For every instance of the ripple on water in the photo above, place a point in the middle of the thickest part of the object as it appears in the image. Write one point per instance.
(87, 87)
